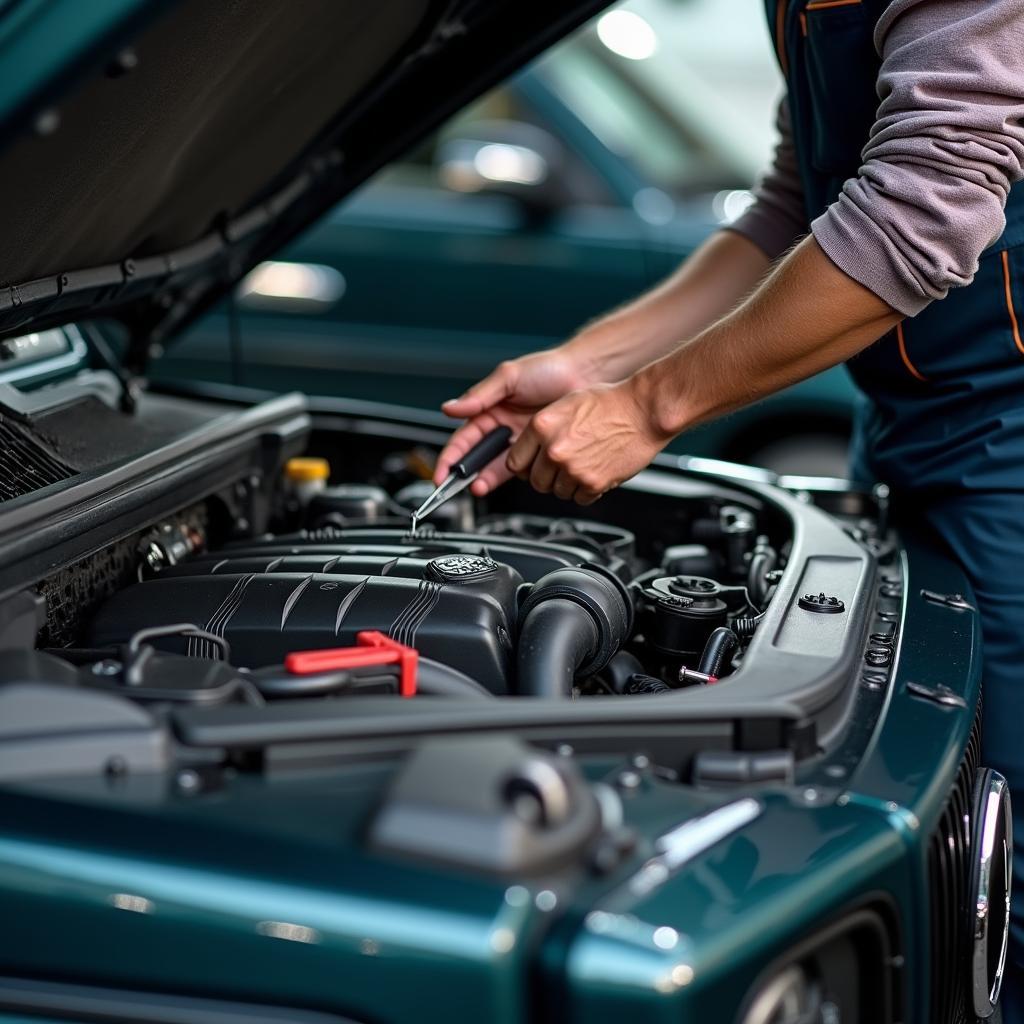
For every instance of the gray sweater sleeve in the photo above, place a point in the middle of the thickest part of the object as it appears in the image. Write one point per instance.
(936, 171)
(777, 217)
(947, 146)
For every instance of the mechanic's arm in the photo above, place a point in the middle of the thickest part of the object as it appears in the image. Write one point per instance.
(807, 316)
(947, 146)
(711, 282)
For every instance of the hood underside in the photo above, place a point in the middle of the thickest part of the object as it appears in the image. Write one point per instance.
(183, 142)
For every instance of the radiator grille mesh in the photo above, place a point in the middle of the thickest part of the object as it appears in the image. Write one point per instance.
(949, 871)
(74, 593)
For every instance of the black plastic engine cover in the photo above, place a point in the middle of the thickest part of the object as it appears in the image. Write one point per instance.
(530, 557)
(457, 609)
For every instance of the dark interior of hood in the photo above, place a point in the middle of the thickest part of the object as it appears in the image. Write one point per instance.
(223, 98)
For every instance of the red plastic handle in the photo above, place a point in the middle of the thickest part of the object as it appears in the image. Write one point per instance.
(373, 649)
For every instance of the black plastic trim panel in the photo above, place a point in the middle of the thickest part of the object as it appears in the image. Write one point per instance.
(42, 532)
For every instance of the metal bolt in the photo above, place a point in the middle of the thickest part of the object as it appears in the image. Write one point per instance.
(628, 780)
(155, 557)
(189, 781)
(874, 680)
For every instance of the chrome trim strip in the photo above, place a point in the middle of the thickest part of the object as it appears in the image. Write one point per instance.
(990, 924)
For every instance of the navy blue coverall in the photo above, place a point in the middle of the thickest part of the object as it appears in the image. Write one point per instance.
(943, 424)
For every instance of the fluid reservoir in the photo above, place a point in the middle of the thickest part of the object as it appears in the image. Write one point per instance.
(680, 613)
(306, 477)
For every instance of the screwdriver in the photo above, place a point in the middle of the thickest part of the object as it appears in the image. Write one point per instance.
(464, 472)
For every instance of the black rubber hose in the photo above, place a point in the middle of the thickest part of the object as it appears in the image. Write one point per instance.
(556, 639)
(721, 645)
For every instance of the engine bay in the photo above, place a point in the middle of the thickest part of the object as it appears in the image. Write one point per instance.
(256, 582)
(491, 604)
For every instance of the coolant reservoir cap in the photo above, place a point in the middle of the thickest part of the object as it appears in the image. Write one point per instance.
(696, 594)
(305, 470)
(693, 586)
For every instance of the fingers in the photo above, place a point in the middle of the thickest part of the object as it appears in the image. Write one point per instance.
(564, 486)
(522, 453)
(490, 477)
(460, 443)
(585, 496)
(543, 473)
(494, 388)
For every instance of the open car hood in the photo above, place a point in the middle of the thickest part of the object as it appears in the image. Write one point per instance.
(155, 150)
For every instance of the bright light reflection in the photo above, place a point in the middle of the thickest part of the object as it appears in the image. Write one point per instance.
(627, 34)
(499, 161)
(288, 931)
(129, 901)
(503, 940)
(730, 205)
(300, 282)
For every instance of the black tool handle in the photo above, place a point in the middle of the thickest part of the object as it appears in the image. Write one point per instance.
(483, 452)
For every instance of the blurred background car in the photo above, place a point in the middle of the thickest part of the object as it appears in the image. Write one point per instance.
(568, 190)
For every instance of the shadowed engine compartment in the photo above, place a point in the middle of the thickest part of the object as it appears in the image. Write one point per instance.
(509, 604)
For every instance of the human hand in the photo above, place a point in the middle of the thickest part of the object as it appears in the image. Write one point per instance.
(508, 396)
(588, 442)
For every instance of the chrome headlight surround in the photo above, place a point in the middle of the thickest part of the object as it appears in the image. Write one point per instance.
(990, 887)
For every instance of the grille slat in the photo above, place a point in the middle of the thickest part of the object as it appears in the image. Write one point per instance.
(25, 464)
(949, 871)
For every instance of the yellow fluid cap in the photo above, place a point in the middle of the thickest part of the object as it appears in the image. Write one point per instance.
(302, 471)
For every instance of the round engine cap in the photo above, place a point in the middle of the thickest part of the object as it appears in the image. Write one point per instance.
(462, 568)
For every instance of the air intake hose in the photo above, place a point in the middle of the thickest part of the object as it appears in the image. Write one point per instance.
(571, 624)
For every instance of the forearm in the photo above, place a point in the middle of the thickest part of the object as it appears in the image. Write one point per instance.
(807, 316)
(713, 281)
